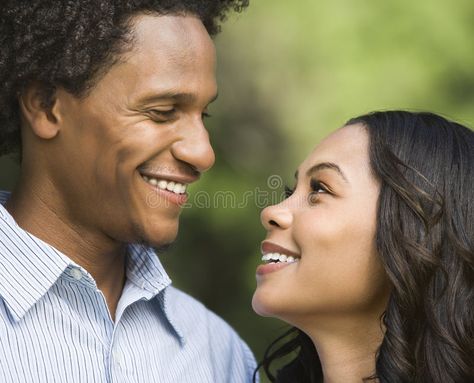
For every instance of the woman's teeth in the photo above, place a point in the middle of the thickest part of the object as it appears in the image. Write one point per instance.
(277, 257)
(171, 186)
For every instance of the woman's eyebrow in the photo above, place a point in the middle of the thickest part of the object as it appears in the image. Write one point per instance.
(322, 166)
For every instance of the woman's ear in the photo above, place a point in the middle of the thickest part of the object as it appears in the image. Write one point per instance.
(39, 108)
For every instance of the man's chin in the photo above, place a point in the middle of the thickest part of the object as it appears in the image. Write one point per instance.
(158, 238)
(162, 248)
(161, 243)
(159, 247)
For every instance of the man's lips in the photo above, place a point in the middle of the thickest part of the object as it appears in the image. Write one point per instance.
(181, 175)
(179, 178)
(171, 186)
(162, 191)
(165, 179)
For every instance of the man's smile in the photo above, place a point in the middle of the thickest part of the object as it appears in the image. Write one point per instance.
(174, 187)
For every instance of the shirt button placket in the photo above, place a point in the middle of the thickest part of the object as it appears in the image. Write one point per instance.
(117, 358)
(117, 366)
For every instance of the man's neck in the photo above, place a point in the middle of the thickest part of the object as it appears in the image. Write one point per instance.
(43, 217)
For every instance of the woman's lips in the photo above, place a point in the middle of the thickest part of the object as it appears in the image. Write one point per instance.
(272, 267)
(273, 251)
(270, 247)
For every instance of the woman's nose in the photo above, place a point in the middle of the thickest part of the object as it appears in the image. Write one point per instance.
(276, 216)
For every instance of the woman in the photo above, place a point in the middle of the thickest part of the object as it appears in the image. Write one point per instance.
(371, 256)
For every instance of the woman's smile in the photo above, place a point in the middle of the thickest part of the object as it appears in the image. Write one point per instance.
(276, 257)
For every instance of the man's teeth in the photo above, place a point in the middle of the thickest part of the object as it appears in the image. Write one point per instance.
(277, 257)
(171, 186)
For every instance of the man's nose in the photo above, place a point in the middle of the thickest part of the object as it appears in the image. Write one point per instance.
(194, 146)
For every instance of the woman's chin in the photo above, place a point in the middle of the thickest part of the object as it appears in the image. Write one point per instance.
(264, 305)
(258, 307)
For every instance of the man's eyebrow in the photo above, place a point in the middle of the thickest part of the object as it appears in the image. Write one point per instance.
(177, 97)
(323, 166)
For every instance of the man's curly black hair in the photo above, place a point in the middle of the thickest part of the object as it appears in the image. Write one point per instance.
(70, 43)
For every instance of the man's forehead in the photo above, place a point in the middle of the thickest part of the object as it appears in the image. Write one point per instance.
(156, 68)
(170, 46)
(182, 37)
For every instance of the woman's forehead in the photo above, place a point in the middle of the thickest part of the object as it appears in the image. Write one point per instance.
(346, 147)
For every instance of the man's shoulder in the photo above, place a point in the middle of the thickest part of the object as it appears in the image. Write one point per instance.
(209, 338)
(195, 314)
(196, 320)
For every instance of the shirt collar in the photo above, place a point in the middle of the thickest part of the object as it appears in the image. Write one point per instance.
(145, 270)
(29, 267)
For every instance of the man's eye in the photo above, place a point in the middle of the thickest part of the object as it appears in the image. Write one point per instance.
(162, 115)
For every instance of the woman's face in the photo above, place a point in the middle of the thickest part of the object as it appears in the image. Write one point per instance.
(328, 225)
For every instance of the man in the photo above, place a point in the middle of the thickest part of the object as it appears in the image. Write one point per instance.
(105, 99)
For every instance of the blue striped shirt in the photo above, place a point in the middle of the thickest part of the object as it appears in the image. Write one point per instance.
(55, 324)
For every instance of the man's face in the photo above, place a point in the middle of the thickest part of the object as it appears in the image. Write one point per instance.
(138, 130)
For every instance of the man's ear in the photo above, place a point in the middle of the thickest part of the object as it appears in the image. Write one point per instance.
(39, 107)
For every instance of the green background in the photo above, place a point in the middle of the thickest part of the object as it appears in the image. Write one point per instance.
(289, 73)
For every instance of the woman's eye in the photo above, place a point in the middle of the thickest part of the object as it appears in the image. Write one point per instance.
(317, 188)
(205, 115)
(288, 191)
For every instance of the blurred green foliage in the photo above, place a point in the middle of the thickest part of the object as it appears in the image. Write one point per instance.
(289, 73)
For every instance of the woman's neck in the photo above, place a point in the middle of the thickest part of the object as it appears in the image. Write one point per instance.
(347, 348)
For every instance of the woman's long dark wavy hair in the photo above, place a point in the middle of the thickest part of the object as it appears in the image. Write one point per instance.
(425, 240)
